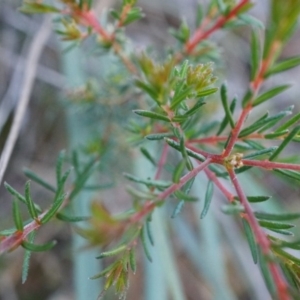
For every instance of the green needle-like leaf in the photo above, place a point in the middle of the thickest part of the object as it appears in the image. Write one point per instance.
(255, 53)
(226, 120)
(277, 217)
(255, 199)
(53, 209)
(112, 252)
(146, 153)
(177, 209)
(176, 146)
(289, 123)
(261, 152)
(284, 65)
(226, 106)
(208, 198)
(14, 192)
(132, 260)
(71, 219)
(151, 115)
(158, 136)
(149, 232)
(150, 183)
(144, 242)
(17, 215)
(33, 176)
(275, 225)
(270, 94)
(251, 240)
(27, 256)
(38, 248)
(37, 8)
(59, 165)
(285, 142)
(30, 204)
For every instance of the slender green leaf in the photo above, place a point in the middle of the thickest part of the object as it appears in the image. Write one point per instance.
(248, 97)
(277, 217)
(149, 233)
(262, 123)
(17, 215)
(33, 176)
(178, 171)
(252, 21)
(133, 15)
(255, 199)
(276, 134)
(112, 252)
(266, 273)
(180, 96)
(275, 225)
(30, 204)
(261, 152)
(207, 92)
(208, 198)
(146, 153)
(27, 256)
(139, 194)
(285, 142)
(195, 108)
(37, 8)
(255, 54)
(191, 153)
(251, 240)
(151, 115)
(14, 192)
(132, 260)
(282, 231)
(38, 248)
(289, 123)
(144, 243)
(104, 272)
(225, 120)
(288, 173)
(225, 105)
(185, 156)
(184, 196)
(158, 136)
(59, 165)
(270, 94)
(178, 209)
(53, 209)
(71, 219)
(284, 65)
(148, 182)
(148, 89)
(230, 209)
(287, 255)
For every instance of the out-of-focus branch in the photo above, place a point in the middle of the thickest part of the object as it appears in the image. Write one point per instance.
(35, 51)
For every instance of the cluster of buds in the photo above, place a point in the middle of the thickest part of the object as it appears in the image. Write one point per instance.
(234, 160)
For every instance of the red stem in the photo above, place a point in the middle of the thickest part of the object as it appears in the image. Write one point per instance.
(150, 205)
(236, 130)
(162, 161)
(266, 164)
(88, 18)
(211, 175)
(11, 242)
(201, 35)
(261, 238)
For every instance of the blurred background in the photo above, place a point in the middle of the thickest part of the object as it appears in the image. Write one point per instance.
(192, 259)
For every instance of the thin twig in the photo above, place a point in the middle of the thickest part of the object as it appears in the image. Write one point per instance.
(35, 51)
